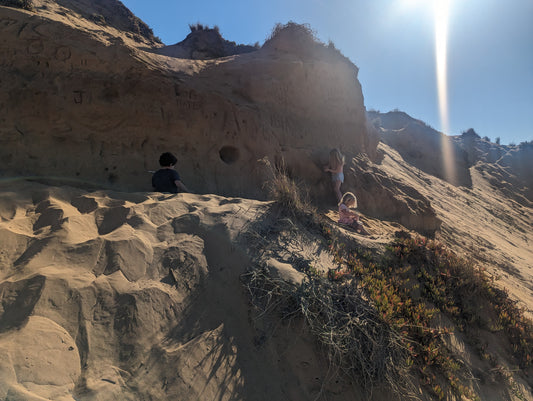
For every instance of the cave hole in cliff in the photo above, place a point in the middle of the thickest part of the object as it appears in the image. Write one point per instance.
(229, 154)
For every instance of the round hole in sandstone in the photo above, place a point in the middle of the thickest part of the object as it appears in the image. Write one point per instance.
(229, 154)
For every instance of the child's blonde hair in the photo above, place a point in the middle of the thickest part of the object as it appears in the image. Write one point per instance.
(346, 197)
(336, 158)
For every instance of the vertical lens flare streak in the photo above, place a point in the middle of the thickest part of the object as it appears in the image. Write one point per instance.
(441, 54)
(442, 11)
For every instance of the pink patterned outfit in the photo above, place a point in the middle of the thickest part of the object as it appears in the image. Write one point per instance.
(346, 216)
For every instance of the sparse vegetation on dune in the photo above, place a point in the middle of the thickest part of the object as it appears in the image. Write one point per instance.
(132, 23)
(301, 39)
(417, 284)
(138, 293)
(387, 318)
(201, 27)
(303, 32)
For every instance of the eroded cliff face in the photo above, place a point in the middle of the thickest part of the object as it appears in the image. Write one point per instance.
(423, 147)
(507, 167)
(388, 197)
(86, 104)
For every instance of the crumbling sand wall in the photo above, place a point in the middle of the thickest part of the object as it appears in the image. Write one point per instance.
(84, 105)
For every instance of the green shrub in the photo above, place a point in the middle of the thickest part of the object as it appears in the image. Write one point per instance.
(467, 294)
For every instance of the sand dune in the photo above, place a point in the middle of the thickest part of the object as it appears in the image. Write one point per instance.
(128, 295)
(135, 295)
(108, 295)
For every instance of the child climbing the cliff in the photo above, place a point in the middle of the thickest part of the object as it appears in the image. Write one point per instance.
(347, 216)
(335, 167)
(166, 179)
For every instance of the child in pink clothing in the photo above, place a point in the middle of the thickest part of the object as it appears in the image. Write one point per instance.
(347, 216)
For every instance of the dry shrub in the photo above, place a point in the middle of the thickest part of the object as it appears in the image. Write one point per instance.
(375, 316)
(302, 40)
(347, 327)
(301, 33)
(281, 188)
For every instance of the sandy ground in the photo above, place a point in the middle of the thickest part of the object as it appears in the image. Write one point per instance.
(109, 295)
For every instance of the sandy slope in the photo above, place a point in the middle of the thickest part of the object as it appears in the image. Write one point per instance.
(108, 295)
(479, 222)
(137, 296)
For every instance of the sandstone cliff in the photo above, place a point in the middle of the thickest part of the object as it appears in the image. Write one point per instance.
(107, 109)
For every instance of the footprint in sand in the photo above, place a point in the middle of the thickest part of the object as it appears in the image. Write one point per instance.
(84, 204)
(50, 216)
(18, 300)
(108, 220)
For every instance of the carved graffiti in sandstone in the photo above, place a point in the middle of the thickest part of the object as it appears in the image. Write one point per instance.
(187, 99)
(62, 53)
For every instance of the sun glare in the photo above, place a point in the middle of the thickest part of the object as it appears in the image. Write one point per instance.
(441, 47)
(442, 13)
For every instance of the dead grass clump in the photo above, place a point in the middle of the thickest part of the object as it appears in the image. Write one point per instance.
(348, 328)
(288, 195)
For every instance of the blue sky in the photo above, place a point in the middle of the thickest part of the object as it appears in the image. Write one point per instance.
(489, 51)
